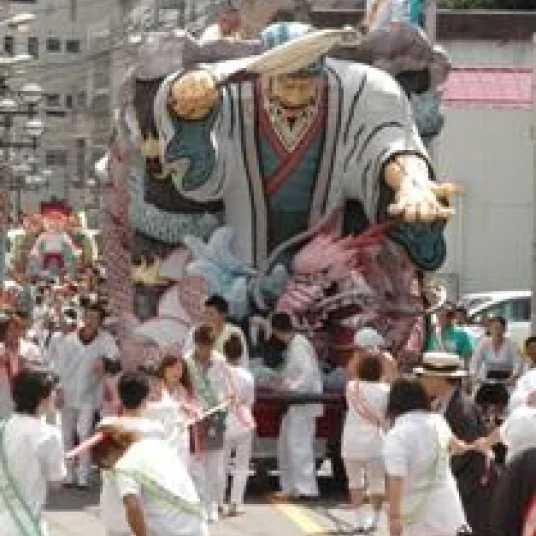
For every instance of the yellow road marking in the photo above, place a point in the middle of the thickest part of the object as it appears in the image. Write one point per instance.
(299, 516)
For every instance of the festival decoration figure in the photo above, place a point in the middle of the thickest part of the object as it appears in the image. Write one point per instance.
(52, 241)
(296, 154)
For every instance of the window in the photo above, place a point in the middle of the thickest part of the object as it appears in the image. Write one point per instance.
(56, 157)
(72, 46)
(53, 44)
(520, 310)
(81, 100)
(33, 46)
(55, 113)
(9, 45)
(52, 100)
(69, 102)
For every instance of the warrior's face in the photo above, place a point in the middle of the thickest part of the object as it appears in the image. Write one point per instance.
(295, 92)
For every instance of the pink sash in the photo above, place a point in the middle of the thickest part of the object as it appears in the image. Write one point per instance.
(361, 407)
(243, 413)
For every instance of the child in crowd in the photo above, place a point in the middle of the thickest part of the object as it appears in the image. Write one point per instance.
(240, 424)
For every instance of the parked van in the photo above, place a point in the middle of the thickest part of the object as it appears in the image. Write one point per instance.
(514, 306)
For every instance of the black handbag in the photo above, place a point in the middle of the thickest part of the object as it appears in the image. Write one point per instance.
(212, 431)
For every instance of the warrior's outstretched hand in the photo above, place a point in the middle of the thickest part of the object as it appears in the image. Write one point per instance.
(193, 95)
(417, 198)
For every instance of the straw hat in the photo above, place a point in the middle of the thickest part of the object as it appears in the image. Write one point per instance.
(441, 364)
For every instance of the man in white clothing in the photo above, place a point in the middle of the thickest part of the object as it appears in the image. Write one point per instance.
(300, 374)
(133, 388)
(79, 364)
(158, 495)
(208, 373)
(31, 456)
(215, 315)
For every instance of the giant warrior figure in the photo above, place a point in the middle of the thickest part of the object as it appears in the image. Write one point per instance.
(294, 157)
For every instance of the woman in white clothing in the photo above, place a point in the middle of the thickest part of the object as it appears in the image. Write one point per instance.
(362, 437)
(170, 383)
(496, 364)
(421, 490)
(240, 424)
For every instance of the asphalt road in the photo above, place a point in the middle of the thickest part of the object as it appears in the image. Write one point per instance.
(76, 513)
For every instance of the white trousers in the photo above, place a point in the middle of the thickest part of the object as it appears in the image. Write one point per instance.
(208, 473)
(241, 447)
(295, 452)
(78, 421)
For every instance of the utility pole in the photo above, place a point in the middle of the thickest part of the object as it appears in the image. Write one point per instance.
(533, 135)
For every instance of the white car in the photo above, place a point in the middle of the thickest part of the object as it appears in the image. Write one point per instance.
(514, 306)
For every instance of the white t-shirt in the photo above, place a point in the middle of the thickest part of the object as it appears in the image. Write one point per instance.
(111, 505)
(168, 413)
(524, 387)
(242, 385)
(74, 363)
(362, 438)
(156, 460)
(416, 450)
(35, 457)
(518, 432)
(301, 373)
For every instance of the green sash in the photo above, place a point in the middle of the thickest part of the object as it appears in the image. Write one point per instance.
(211, 430)
(11, 497)
(202, 384)
(160, 494)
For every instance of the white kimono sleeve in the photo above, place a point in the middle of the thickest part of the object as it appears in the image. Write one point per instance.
(378, 124)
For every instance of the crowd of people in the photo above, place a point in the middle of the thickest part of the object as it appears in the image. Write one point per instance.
(168, 435)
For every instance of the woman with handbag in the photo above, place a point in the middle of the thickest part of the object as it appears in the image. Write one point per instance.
(208, 372)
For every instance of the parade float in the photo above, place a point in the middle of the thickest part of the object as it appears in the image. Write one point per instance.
(52, 242)
(283, 172)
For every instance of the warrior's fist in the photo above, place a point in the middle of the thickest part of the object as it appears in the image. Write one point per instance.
(193, 95)
(417, 198)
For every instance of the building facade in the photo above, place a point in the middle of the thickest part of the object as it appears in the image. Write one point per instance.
(57, 41)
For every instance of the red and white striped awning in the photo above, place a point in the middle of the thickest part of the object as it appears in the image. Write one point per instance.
(489, 87)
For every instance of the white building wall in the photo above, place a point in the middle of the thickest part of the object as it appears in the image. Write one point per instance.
(489, 152)
(60, 73)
